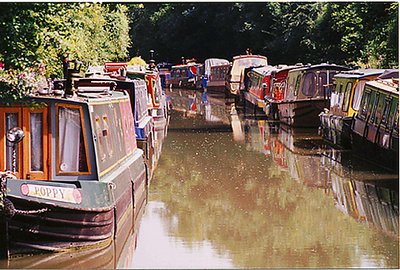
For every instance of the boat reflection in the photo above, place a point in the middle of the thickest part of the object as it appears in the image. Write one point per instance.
(367, 193)
(264, 200)
(118, 254)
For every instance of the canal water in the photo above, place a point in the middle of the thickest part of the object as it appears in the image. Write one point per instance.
(235, 191)
(250, 193)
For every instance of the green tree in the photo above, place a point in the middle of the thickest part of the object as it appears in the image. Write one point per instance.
(43, 32)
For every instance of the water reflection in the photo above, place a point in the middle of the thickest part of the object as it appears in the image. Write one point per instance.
(263, 198)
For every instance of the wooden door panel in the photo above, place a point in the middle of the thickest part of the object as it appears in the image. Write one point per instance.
(35, 144)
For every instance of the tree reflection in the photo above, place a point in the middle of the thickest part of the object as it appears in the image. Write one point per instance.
(261, 213)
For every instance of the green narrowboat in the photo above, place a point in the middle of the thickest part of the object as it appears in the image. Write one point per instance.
(344, 103)
(375, 130)
(73, 176)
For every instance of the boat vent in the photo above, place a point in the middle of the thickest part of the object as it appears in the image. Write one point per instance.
(98, 87)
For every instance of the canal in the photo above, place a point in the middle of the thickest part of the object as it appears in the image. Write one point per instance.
(236, 191)
(250, 193)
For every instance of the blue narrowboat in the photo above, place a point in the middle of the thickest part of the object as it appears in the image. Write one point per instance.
(185, 75)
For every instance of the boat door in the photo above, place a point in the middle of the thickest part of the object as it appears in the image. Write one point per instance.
(32, 153)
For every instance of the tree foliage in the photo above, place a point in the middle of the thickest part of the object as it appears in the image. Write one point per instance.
(364, 33)
(43, 32)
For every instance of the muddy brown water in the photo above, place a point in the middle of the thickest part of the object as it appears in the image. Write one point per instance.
(232, 191)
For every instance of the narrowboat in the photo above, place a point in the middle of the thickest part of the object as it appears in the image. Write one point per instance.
(144, 126)
(275, 89)
(234, 82)
(375, 129)
(344, 103)
(306, 93)
(165, 74)
(185, 75)
(257, 85)
(215, 71)
(77, 177)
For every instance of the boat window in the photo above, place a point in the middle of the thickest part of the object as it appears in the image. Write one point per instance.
(364, 104)
(396, 120)
(107, 134)
(297, 85)
(347, 93)
(392, 113)
(379, 109)
(36, 126)
(309, 84)
(385, 112)
(322, 81)
(11, 122)
(372, 112)
(357, 95)
(70, 144)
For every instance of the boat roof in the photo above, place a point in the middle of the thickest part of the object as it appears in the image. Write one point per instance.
(216, 61)
(320, 66)
(264, 69)
(387, 85)
(359, 73)
(186, 65)
(237, 57)
(85, 97)
(135, 69)
(389, 74)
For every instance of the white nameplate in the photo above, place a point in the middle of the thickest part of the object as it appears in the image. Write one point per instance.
(61, 194)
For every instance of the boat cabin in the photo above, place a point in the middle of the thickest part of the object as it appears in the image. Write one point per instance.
(376, 126)
(344, 104)
(348, 89)
(235, 77)
(77, 162)
(185, 75)
(307, 92)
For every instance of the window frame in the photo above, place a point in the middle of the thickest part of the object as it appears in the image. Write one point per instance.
(347, 96)
(85, 140)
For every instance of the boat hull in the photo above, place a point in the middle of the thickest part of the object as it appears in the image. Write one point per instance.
(302, 113)
(336, 129)
(88, 214)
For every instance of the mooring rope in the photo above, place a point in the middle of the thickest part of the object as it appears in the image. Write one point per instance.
(6, 206)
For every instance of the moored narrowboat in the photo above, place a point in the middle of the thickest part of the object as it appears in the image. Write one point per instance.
(144, 125)
(215, 71)
(306, 93)
(76, 173)
(165, 74)
(185, 75)
(257, 85)
(234, 82)
(344, 103)
(375, 130)
(274, 92)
